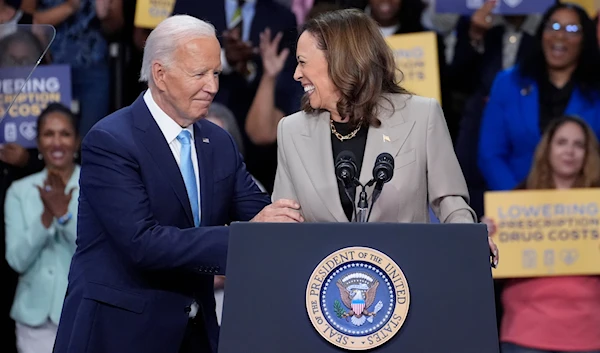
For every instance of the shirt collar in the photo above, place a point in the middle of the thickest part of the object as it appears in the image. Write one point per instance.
(166, 124)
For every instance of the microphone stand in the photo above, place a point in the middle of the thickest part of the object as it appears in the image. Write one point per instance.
(376, 193)
(363, 211)
(347, 188)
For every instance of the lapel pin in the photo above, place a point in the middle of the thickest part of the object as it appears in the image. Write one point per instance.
(386, 138)
(205, 140)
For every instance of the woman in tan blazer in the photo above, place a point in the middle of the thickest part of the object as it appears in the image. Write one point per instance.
(354, 104)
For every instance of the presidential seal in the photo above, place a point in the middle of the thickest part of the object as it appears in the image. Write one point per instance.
(357, 298)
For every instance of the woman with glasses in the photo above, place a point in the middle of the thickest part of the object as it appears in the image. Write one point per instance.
(560, 77)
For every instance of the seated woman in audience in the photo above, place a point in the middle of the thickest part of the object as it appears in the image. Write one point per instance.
(40, 218)
(560, 77)
(555, 314)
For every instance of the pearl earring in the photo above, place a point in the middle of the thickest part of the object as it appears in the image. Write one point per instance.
(40, 157)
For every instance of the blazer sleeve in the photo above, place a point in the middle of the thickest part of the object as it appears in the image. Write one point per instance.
(447, 189)
(23, 242)
(111, 184)
(494, 144)
(283, 187)
(248, 198)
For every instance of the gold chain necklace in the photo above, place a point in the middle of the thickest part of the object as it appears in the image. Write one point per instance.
(340, 136)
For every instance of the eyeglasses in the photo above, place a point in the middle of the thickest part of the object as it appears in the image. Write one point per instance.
(569, 29)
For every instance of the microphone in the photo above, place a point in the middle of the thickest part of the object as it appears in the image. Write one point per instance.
(383, 171)
(346, 172)
(345, 168)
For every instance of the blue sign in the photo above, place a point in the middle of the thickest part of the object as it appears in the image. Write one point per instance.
(504, 7)
(47, 84)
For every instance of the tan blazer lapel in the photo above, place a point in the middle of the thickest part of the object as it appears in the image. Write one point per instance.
(314, 147)
(388, 137)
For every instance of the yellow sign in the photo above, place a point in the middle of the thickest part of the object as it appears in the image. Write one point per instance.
(357, 298)
(149, 13)
(417, 57)
(546, 232)
(591, 6)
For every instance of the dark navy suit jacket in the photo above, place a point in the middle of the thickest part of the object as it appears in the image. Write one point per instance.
(140, 263)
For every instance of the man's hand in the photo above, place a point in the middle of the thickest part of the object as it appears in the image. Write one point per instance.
(237, 52)
(281, 211)
(13, 154)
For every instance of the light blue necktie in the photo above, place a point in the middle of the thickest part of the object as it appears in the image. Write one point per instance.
(187, 171)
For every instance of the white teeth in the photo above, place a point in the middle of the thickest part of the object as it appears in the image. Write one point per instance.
(58, 154)
(309, 88)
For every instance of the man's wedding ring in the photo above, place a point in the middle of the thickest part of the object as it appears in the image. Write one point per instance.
(48, 188)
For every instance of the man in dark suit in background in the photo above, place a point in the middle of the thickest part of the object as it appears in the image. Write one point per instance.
(157, 186)
(239, 24)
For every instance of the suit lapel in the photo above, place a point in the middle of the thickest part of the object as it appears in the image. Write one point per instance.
(154, 141)
(530, 108)
(389, 137)
(314, 148)
(204, 152)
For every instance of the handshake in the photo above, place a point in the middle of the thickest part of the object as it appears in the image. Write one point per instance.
(281, 211)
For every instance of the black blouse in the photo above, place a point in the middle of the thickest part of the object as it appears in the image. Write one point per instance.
(553, 102)
(356, 145)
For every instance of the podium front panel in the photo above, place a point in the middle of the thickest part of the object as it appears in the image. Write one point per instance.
(446, 268)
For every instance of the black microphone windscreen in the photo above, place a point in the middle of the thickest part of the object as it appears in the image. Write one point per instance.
(383, 171)
(385, 157)
(345, 155)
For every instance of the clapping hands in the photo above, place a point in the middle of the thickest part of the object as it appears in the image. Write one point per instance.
(55, 200)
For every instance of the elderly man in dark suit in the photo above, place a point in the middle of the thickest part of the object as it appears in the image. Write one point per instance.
(157, 185)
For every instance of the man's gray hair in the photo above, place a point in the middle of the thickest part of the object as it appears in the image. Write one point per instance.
(164, 39)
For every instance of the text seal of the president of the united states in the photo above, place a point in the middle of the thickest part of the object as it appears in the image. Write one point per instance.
(357, 298)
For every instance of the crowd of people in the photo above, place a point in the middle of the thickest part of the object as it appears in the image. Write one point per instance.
(520, 109)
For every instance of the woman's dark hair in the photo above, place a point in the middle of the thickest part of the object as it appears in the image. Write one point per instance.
(587, 73)
(57, 108)
(361, 64)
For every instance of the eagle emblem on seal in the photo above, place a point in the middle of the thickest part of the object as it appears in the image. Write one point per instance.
(357, 292)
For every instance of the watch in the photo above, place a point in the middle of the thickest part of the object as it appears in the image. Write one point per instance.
(64, 219)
